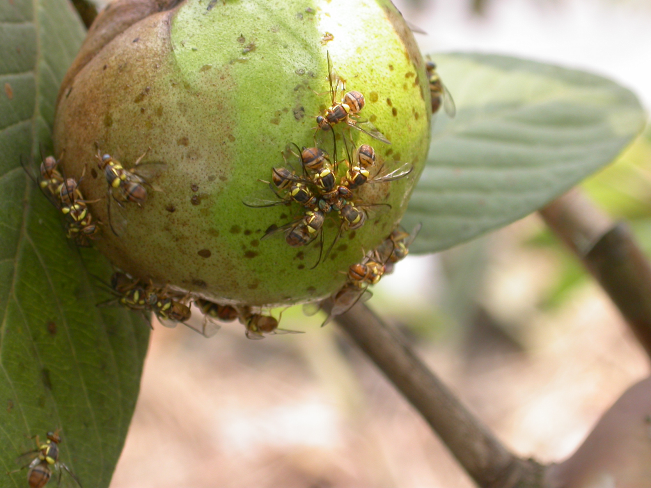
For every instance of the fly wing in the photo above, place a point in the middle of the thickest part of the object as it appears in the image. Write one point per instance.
(370, 130)
(146, 173)
(347, 300)
(448, 102)
(398, 173)
(415, 29)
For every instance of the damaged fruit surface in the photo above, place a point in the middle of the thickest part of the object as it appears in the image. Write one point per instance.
(213, 92)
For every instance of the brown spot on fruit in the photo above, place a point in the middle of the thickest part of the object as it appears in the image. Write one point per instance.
(195, 200)
(183, 141)
(204, 253)
(170, 208)
(194, 187)
(250, 254)
(394, 111)
(373, 97)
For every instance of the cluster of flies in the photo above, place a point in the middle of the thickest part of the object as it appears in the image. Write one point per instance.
(321, 189)
(172, 307)
(131, 186)
(45, 459)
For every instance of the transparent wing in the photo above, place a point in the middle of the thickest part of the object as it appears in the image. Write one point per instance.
(413, 234)
(346, 299)
(285, 331)
(209, 327)
(148, 171)
(414, 28)
(254, 336)
(370, 130)
(336, 82)
(265, 197)
(171, 324)
(396, 174)
(68, 480)
(116, 217)
(277, 231)
(448, 102)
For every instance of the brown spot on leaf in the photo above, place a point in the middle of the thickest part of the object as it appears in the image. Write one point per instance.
(204, 253)
(170, 208)
(236, 229)
(254, 243)
(250, 254)
(108, 120)
(93, 173)
(51, 327)
(275, 121)
(9, 91)
(252, 286)
(194, 187)
(200, 283)
(373, 118)
(195, 200)
(351, 235)
(183, 141)
(300, 255)
(301, 266)
(373, 97)
(205, 68)
(389, 103)
(247, 232)
(310, 289)
(394, 111)
(390, 67)
(213, 232)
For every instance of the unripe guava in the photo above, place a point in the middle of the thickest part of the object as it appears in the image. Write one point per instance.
(215, 90)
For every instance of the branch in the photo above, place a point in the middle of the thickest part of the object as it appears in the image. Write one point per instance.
(480, 453)
(609, 251)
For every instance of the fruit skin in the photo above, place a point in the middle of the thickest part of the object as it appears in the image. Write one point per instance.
(216, 90)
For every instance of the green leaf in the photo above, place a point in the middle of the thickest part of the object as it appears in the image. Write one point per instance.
(64, 363)
(524, 133)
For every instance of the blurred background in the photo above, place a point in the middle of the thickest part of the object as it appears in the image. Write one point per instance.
(511, 321)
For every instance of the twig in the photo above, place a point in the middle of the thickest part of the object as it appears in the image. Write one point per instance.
(485, 459)
(609, 251)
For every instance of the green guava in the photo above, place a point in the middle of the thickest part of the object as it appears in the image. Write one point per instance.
(213, 91)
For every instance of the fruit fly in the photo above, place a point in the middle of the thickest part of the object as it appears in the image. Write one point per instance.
(302, 231)
(258, 325)
(347, 110)
(396, 247)
(126, 185)
(369, 271)
(66, 197)
(345, 299)
(439, 93)
(353, 216)
(50, 178)
(46, 458)
(214, 312)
